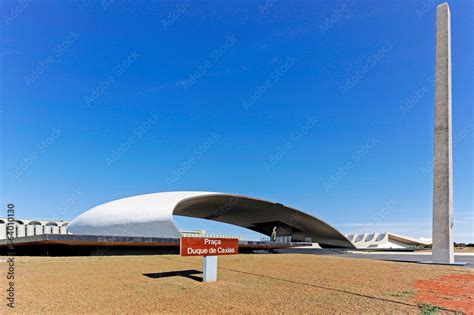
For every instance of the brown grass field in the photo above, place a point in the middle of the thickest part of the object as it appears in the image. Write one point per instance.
(281, 283)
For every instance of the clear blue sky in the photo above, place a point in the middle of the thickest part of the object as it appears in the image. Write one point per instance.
(327, 106)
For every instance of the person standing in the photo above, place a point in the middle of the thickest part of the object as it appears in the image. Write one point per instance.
(274, 234)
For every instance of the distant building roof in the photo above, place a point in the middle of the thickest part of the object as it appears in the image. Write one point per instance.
(386, 240)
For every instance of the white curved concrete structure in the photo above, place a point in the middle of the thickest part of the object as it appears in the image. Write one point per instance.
(385, 240)
(151, 215)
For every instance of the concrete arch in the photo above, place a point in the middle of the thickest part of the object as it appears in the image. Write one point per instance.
(16, 227)
(63, 228)
(152, 215)
(34, 228)
(261, 216)
(20, 228)
(51, 228)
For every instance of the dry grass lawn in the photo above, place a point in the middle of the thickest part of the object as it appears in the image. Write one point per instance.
(284, 283)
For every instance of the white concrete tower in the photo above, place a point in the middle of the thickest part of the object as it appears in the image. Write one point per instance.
(443, 246)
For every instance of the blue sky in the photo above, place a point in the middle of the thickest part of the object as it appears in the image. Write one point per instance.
(327, 106)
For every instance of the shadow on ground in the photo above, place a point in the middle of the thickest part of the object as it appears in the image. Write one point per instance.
(180, 273)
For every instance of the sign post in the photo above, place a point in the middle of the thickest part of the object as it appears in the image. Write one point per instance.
(210, 248)
(210, 269)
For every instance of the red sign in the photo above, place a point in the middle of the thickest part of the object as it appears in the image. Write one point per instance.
(208, 246)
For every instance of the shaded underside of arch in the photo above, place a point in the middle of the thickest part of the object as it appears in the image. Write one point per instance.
(261, 216)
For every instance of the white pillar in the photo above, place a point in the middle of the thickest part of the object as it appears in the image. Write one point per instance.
(64, 229)
(30, 230)
(39, 229)
(3, 231)
(210, 269)
(443, 247)
(21, 229)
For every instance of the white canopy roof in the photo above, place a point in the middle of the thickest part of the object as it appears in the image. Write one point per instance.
(151, 215)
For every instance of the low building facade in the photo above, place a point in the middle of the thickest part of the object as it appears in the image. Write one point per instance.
(27, 227)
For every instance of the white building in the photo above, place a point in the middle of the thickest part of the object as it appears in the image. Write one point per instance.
(33, 227)
(386, 240)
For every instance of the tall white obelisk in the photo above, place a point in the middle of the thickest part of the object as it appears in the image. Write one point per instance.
(443, 246)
